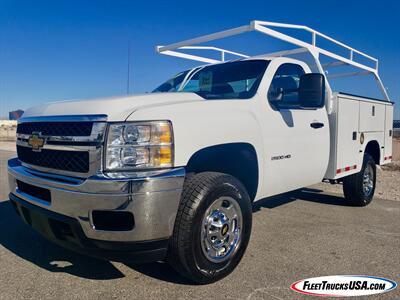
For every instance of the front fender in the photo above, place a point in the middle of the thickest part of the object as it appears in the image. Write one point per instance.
(198, 125)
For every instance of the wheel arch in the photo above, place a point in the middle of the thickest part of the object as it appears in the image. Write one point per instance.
(236, 159)
(373, 149)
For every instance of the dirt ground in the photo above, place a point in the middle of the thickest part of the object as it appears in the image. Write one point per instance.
(396, 149)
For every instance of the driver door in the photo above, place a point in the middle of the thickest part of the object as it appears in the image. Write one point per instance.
(296, 139)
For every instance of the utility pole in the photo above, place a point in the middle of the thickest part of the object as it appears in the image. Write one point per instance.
(129, 69)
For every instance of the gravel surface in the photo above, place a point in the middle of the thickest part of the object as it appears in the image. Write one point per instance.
(307, 233)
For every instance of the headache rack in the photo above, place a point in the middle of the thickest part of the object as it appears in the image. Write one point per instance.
(266, 28)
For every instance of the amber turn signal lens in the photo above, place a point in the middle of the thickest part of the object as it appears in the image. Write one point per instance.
(164, 133)
(165, 156)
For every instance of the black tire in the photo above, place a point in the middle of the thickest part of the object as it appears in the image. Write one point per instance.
(200, 191)
(353, 188)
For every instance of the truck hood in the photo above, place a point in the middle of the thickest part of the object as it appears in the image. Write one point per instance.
(116, 108)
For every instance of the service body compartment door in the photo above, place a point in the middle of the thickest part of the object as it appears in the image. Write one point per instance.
(348, 138)
(372, 117)
(356, 116)
(388, 134)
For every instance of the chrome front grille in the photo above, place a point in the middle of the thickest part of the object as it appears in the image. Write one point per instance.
(64, 145)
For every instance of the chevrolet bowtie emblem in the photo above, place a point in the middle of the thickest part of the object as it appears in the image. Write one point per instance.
(36, 142)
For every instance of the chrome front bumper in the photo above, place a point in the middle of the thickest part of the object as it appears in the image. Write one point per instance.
(152, 198)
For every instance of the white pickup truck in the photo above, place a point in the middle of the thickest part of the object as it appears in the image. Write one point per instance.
(171, 175)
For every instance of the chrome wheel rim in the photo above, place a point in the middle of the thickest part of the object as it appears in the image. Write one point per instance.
(221, 229)
(368, 180)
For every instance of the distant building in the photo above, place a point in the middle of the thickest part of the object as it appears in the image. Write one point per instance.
(15, 115)
(396, 124)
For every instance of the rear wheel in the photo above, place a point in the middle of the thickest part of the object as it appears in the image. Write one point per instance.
(359, 188)
(212, 227)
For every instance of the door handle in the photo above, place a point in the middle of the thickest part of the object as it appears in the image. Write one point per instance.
(316, 125)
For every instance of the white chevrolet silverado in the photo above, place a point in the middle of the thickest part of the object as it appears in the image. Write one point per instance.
(171, 175)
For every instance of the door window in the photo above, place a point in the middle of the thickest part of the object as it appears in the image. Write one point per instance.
(283, 91)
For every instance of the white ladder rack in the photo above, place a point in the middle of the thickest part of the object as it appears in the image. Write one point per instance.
(266, 28)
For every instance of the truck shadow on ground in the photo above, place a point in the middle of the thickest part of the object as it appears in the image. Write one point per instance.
(24, 242)
(304, 194)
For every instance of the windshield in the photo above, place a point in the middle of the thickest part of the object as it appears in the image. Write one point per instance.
(232, 80)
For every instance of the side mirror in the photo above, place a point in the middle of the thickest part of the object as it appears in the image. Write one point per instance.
(312, 90)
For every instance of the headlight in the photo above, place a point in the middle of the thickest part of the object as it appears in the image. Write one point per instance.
(140, 145)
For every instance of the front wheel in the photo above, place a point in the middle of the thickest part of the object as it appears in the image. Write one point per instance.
(359, 188)
(212, 227)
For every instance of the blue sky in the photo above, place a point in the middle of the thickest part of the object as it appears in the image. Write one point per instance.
(55, 50)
